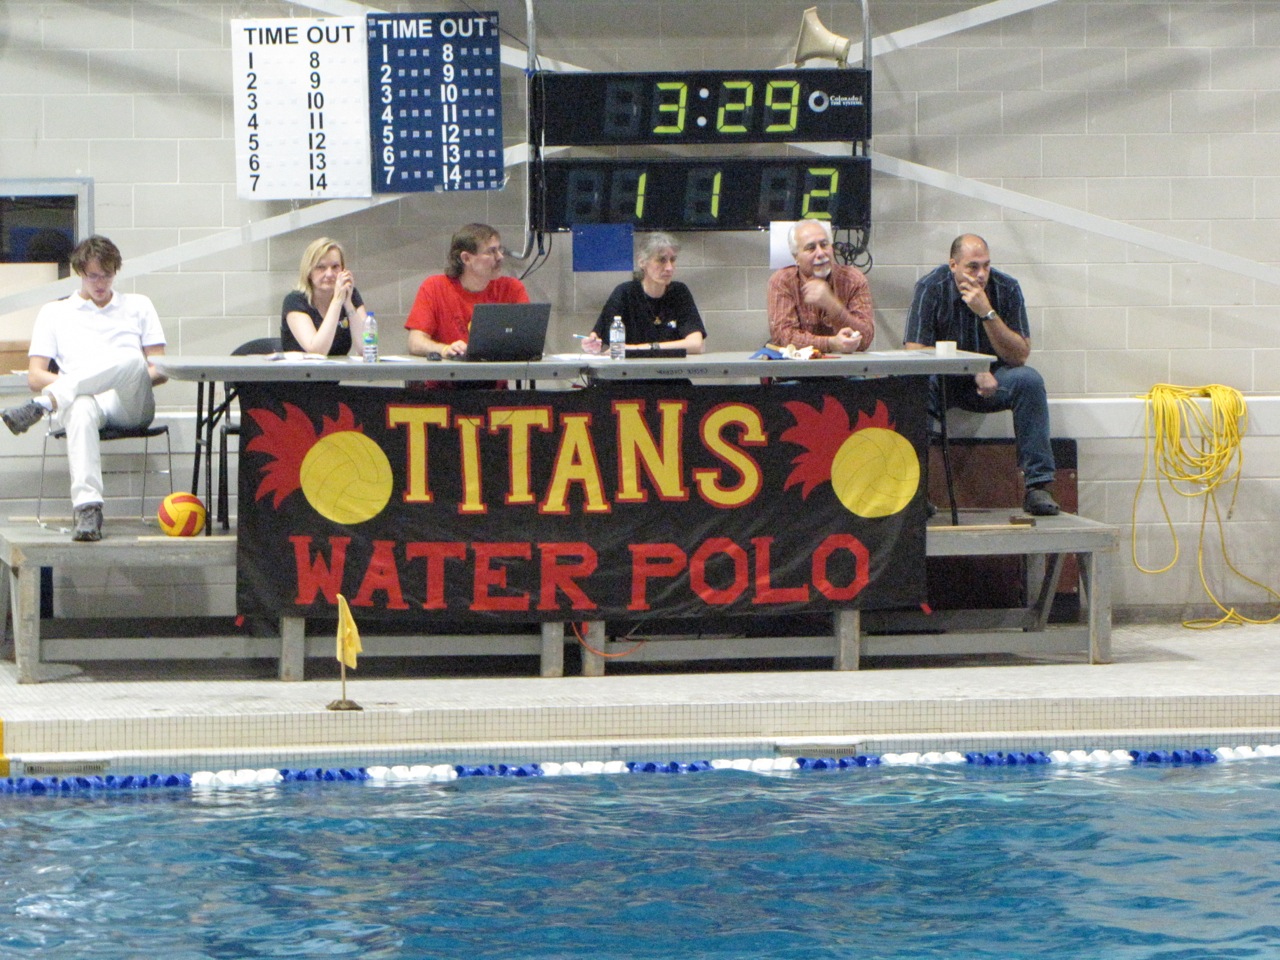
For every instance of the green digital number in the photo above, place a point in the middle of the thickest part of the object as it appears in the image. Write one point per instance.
(735, 109)
(816, 203)
(626, 201)
(665, 107)
(640, 186)
(783, 96)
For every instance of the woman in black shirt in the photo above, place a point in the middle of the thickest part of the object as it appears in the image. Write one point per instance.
(318, 314)
(657, 310)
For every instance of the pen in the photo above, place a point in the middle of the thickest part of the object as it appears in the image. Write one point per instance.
(580, 336)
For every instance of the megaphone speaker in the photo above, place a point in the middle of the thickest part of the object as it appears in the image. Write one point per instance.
(816, 41)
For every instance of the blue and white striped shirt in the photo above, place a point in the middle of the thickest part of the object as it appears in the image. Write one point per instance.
(939, 313)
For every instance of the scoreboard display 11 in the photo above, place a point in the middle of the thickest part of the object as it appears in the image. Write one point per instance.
(695, 194)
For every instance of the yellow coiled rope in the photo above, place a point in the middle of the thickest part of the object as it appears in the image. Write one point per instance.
(1196, 454)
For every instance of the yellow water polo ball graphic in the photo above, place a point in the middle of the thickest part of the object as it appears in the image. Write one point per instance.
(875, 473)
(346, 477)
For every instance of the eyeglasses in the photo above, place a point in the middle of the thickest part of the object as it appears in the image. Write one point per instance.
(98, 277)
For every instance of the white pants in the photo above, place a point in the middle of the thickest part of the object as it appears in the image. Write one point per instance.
(116, 394)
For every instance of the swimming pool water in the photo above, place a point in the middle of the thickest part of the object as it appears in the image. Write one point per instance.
(889, 862)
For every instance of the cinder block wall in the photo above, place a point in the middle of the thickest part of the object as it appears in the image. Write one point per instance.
(1152, 115)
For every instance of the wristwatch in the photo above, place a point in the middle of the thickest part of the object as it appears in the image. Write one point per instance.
(989, 315)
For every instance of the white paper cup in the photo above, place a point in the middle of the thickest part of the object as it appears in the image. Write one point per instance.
(945, 348)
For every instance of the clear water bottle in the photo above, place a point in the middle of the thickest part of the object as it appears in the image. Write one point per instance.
(617, 340)
(370, 338)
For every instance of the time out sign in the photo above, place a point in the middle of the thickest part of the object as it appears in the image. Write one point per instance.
(346, 106)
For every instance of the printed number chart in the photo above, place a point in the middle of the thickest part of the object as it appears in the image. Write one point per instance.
(435, 105)
(345, 106)
(301, 108)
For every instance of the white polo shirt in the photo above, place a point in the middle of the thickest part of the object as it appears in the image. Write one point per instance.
(78, 333)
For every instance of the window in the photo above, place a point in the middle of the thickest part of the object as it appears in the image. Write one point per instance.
(42, 220)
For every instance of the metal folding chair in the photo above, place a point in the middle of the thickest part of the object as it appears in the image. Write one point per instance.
(107, 435)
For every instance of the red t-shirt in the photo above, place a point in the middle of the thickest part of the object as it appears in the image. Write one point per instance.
(442, 308)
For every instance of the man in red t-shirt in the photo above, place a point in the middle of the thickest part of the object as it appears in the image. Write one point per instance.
(440, 319)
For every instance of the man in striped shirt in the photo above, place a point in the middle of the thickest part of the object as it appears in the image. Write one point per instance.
(982, 309)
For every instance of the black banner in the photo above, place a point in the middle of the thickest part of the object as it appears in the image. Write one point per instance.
(621, 501)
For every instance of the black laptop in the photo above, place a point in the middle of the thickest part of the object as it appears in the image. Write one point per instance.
(513, 332)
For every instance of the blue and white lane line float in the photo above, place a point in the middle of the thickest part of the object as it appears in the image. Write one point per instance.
(208, 779)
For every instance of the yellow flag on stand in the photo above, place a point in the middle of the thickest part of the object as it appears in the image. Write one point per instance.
(348, 634)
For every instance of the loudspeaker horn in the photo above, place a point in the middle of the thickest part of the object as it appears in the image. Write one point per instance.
(816, 41)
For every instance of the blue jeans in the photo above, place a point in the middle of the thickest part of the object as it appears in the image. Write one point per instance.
(1021, 389)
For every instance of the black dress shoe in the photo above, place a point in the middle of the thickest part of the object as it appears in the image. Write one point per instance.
(1040, 503)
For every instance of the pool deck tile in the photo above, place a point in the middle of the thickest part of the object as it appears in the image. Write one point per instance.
(1164, 678)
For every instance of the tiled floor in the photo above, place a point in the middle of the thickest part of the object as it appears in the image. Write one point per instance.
(1168, 687)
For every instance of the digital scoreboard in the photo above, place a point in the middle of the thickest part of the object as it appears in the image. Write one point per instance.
(719, 107)
(706, 111)
(695, 194)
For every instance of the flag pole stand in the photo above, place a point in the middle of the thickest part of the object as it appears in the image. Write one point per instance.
(344, 703)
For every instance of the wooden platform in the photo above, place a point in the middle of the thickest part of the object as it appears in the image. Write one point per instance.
(1025, 629)
(26, 548)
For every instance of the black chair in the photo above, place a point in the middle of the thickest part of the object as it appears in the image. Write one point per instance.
(231, 423)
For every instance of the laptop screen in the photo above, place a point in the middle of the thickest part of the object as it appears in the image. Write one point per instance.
(508, 331)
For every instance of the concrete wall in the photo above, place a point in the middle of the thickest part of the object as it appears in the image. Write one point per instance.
(1119, 157)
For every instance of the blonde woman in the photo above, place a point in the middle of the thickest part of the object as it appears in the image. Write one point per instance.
(318, 314)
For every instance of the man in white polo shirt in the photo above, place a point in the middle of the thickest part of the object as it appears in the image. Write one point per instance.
(102, 342)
